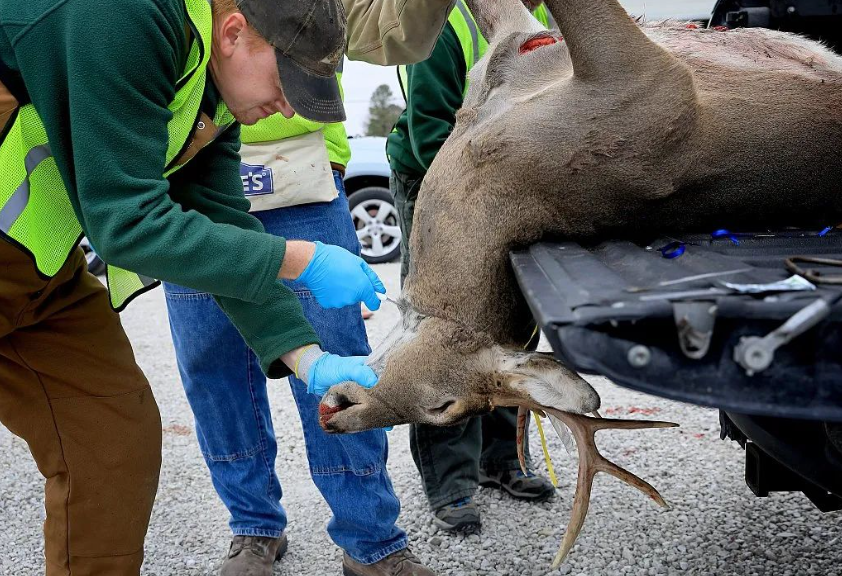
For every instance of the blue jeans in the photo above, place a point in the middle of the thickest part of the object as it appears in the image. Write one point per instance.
(227, 393)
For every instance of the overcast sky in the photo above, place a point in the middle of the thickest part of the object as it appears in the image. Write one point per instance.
(359, 80)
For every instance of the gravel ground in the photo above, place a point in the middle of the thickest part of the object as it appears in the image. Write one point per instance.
(716, 526)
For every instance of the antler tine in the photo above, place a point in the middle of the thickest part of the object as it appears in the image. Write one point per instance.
(597, 424)
(591, 462)
(522, 413)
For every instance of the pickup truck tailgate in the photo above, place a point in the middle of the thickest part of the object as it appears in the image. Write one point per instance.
(634, 312)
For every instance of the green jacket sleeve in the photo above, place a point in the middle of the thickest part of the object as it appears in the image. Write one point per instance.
(101, 74)
(434, 92)
(211, 182)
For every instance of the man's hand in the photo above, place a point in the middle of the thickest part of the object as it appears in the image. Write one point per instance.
(320, 370)
(335, 277)
(330, 369)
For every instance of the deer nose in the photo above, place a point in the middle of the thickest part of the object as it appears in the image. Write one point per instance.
(334, 401)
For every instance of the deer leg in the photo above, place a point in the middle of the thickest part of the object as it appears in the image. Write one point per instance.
(591, 462)
(604, 42)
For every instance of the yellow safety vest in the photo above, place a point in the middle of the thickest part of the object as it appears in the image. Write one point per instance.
(276, 127)
(543, 16)
(35, 210)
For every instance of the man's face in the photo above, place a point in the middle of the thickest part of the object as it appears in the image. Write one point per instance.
(245, 71)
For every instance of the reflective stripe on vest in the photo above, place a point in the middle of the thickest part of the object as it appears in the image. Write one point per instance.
(35, 210)
(473, 43)
(20, 197)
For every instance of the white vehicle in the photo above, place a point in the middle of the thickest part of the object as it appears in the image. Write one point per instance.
(371, 203)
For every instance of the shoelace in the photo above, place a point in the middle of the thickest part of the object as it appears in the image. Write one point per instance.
(252, 543)
(461, 502)
(402, 558)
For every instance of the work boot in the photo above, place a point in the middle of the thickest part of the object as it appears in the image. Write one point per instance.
(459, 516)
(253, 555)
(401, 563)
(522, 486)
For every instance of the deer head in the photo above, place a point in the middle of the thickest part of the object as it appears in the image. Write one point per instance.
(456, 372)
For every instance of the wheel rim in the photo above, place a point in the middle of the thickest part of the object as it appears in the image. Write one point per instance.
(377, 227)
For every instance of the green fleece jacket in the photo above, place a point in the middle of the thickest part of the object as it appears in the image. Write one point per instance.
(434, 92)
(101, 73)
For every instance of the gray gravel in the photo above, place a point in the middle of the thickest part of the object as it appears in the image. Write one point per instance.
(716, 526)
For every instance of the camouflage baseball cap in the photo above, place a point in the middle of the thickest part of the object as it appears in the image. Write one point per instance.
(309, 41)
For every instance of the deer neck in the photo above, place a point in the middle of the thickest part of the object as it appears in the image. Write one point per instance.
(459, 269)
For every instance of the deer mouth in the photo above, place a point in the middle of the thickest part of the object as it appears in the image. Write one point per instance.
(326, 412)
(349, 407)
(332, 405)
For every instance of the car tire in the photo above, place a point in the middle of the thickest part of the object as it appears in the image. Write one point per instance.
(376, 221)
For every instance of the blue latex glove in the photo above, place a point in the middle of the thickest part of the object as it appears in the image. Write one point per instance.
(330, 369)
(337, 278)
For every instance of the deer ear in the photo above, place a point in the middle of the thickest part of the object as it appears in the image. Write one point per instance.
(546, 382)
(497, 17)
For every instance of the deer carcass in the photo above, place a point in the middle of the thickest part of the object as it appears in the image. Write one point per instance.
(602, 129)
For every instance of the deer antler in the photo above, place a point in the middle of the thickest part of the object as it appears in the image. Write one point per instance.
(591, 462)
(522, 418)
(523, 421)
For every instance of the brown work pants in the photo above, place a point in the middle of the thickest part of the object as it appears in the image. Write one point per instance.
(70, 387)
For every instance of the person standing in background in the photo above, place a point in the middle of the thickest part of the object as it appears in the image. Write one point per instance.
(292, 171)
(453, 460)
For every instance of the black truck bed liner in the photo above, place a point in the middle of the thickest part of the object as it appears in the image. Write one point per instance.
(581, 297)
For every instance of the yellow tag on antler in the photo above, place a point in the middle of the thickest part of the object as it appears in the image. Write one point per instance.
(547, 459)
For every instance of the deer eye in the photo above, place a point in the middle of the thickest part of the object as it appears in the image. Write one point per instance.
(442, 407)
